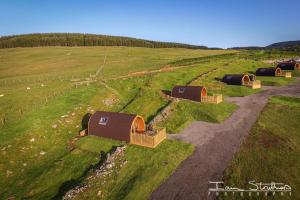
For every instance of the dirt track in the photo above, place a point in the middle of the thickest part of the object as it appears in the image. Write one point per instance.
(215, 146)
(166, 68)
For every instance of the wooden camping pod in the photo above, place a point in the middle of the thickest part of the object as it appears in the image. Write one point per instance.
(193, 93)
(270, 71)
(117, 126)
(236, 79)
(124, 127)
(242, 79)
(290, 65)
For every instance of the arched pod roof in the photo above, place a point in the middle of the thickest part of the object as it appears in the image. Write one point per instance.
(270, 71)
(287, 65)
(235, 79)
(114, 125)
(193, 93)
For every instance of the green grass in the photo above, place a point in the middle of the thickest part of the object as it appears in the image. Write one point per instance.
(54, 67)
(30, 114)
(151, 90)
(23, 170)
(186, 112)
(271, 151)
(276, 81)
(80, 61)
(296, 73)
(229, 66)
(43, 175)
(145, 170)
(70, 168)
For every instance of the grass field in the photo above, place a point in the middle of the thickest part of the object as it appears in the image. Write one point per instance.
(80, 61)
(271, 151)
(144, 171)
(41, 111)
(186, 112)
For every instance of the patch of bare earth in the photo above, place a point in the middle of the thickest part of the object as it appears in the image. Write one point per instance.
(166, 68)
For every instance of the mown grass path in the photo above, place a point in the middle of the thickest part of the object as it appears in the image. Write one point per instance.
(216, 145)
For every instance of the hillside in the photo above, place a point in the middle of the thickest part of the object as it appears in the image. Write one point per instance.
(77, 39)
(289, 45)
(283, 46)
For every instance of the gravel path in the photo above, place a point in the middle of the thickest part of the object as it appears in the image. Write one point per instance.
(215, 145)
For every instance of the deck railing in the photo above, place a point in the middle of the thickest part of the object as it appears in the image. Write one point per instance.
(253, 84)
(146, 140)
(285, 74)
(212, 99)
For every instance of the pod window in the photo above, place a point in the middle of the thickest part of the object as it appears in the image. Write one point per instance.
(103, 121)
(181, 90)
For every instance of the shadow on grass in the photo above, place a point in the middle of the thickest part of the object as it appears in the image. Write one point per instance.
(131, 100)
(85, 121)
(166, 92)
(68, 185)
(218, 79)
(151, 117)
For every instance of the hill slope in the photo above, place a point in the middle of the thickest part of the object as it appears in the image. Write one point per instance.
(77, 39)
(288, 45)
(283, 46)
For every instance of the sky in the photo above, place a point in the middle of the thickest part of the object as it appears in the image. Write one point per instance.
(214, 23)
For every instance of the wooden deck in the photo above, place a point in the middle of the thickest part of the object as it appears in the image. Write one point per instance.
(285, 74)
(212, 99)
(150, 138)
(254, 84)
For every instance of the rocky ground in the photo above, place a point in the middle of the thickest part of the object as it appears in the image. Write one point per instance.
(114, 162)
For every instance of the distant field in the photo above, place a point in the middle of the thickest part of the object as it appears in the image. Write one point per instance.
(271, 151)
(37, 95)
(80, 61)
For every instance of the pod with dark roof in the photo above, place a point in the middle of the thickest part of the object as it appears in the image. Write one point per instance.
(194, 93)
(270, 71)
(117, 126)
(125, 127)
(292, 65)
(236, 79)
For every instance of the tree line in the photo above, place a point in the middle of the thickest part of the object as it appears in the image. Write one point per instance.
(77, 39)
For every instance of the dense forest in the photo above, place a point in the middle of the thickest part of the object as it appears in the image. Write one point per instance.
(77, 39)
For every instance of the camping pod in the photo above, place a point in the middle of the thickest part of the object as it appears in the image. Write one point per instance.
(117, 126)
(125, 127)
(236, 79)
(194, 93)
(292, 65)
(270, 71)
